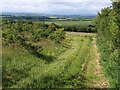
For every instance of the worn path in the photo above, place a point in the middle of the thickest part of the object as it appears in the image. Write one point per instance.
(93, 69)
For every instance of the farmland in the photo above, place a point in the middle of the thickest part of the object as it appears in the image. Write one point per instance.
(69, 23)
(74, 25)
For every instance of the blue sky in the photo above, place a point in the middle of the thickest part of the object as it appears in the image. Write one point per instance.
(55, 6)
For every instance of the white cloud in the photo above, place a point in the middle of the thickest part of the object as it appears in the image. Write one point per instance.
(54, 6)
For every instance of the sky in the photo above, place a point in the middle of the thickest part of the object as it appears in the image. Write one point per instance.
(60, 7)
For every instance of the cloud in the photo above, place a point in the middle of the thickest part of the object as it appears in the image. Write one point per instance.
(54, 6)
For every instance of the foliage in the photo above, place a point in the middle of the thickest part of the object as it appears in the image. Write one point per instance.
(80, 28)
(21, 69)
(23, 31)
(108, 29)
(76, 26)
(27, 17)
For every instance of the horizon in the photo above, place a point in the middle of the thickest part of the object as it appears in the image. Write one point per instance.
(42, 14)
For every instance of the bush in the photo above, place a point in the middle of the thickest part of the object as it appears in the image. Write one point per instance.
(108, 28)
(80, 28)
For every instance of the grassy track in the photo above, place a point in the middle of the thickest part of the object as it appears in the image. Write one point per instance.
(93, 69)
(70, 68)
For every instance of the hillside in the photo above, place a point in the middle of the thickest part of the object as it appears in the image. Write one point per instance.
(57, 53)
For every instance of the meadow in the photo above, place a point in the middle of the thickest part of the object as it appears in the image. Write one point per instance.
(61, 66)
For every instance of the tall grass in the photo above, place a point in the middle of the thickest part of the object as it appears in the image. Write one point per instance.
(24, 70)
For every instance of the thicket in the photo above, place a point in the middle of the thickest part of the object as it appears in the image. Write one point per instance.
(108, 29)
(28, 33)
(81, 28)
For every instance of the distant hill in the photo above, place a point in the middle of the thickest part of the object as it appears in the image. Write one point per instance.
(46, 15)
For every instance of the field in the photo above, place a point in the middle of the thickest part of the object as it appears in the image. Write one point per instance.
(43, 55)
(58, 52)
(69, 23)
(75, 25)
(63, 66)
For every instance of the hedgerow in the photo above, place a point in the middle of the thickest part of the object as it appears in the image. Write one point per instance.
(108, 30)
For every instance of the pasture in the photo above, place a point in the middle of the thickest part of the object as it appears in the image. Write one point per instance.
(69, 23)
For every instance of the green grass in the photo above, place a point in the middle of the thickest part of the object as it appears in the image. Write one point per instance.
(24, 70)
(67, 23)
(70, 23)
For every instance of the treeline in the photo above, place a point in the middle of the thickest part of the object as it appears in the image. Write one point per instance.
(28, 33)
(108, 29)
(81, 28)
(33, 18)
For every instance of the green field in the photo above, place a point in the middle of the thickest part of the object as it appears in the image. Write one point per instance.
(62, 69)
(61, 53)
(71, 64)
(69, 23)
(43, 55)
